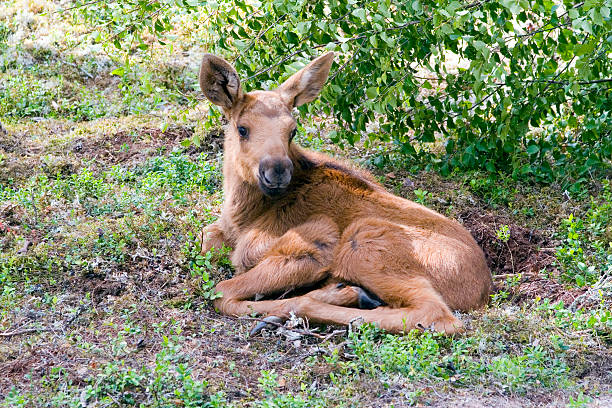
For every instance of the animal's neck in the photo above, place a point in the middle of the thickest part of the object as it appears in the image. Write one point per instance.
(244, 202)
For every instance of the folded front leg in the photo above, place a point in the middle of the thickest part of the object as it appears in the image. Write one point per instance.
(301, 256)
(212, 236)
(251, 248)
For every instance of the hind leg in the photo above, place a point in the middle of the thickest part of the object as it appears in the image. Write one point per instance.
(333, 305)
(339, 293)
(379, 256)
(428, 314)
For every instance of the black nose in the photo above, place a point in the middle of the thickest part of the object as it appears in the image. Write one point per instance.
(275, 173)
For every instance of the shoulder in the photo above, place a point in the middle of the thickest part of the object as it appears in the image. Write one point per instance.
(320, 167)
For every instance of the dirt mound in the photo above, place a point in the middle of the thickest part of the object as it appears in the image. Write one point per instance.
(14, 164)
(525, 252)
(533, 286)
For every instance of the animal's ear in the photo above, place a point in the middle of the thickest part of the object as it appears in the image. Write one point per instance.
(219, 81)
(306, 84)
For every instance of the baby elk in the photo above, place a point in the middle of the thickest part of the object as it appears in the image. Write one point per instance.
(302, 221)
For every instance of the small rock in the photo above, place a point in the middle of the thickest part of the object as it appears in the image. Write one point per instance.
(407, 183)
(442, 201)
(78, 145)
(82, 372)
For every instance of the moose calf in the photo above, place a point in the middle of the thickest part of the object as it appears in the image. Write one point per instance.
(297, 218)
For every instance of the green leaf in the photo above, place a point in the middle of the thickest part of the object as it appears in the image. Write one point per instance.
(360, 13)
(583, 49)
(533, 149)
(482, 47)
(118, 71)
(446, 29)
(372, 92)
(303, 27)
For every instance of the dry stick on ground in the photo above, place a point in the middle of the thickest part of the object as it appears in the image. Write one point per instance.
(304, 332)
(24, 331)
(76, 314)
(509, 275)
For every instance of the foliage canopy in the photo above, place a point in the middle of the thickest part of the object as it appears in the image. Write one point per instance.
(514, 86)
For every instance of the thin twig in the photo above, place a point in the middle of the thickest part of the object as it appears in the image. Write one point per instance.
(24, 331)
(78, 6)
(550, 81)
(304, 332)
(507, 275)
(76, 314)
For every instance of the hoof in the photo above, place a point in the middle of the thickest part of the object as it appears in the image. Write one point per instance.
(267, 323)
(366, 300)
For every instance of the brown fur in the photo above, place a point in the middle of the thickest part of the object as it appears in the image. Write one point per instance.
(332, 221)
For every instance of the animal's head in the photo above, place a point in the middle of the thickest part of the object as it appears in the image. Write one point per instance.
(261, 126)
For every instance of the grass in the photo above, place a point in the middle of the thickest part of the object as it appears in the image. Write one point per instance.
(105, 301)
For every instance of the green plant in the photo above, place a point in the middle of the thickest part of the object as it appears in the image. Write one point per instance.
(167, 382)
(84, 185)
(180, 174)
(584, 254)
(140, 94)
(571, 254)
(421, 196)
(268, 382)
(503, 233)
(580, 401)
(432, 356)
(528, 95)
(5, 31)
(533, 368)
(24, 95)
(200, 266)
(495, 189)
(499, 297)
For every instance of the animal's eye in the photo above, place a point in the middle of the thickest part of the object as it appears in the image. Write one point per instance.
(243, 132)
(293, 132)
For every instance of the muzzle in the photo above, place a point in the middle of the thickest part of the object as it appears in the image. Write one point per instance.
(275, 175)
